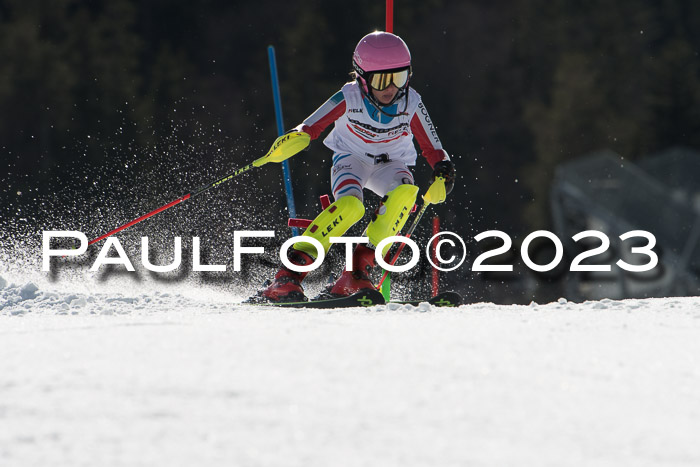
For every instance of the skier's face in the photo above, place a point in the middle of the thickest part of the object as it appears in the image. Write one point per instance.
(387, 95)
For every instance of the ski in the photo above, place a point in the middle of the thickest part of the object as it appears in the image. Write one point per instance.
(363, 298)
(447, 299)
(367, 298)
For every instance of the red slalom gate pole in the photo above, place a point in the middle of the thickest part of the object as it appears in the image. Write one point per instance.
(390, 16)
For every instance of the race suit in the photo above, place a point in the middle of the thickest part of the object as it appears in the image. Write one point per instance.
(373, 150)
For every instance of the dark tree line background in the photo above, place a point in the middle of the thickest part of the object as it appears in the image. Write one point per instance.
(515, 87)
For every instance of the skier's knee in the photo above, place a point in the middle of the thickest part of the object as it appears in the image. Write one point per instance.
(334, 221)
(398, 183)
(352, 193)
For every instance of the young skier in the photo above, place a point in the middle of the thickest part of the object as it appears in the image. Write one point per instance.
(376, 117)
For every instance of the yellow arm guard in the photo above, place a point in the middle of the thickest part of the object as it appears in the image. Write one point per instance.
(436, 193)
(285, 147)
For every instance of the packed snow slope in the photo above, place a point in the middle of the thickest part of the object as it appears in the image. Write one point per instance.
(114, 374)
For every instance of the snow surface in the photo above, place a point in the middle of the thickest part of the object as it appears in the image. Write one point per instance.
(115, 374)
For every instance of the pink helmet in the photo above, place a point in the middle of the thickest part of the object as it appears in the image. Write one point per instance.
(379, 51)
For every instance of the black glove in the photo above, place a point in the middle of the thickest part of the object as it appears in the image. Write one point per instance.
(446, 170)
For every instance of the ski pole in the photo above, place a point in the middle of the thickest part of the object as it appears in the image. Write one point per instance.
(435, 194)
(408, 235)
(173, 203)
(293, 143)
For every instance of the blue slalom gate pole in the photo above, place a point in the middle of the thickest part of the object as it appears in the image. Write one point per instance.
(280, 131)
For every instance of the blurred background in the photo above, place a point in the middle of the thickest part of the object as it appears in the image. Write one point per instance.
(564, 116)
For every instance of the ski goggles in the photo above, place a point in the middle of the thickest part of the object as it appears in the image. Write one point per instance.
(382, 80)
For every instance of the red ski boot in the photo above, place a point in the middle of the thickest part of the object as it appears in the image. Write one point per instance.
(286, 287)
(357, 279)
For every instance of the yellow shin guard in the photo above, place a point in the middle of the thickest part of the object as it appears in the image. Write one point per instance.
(334, 221)
(392, 214)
